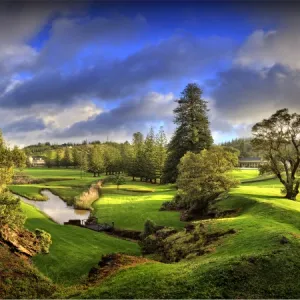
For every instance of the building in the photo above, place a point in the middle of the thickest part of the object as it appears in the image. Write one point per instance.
(36, 161)
(250, 162)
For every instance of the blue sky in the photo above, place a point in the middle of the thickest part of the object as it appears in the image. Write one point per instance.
(72, 71)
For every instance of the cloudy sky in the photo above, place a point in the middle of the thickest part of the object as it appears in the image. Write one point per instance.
(75, 70)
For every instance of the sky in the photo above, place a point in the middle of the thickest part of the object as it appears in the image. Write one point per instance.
(102, 70)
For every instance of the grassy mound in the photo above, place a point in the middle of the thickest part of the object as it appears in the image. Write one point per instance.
(74, 250)
(19, 279)
(255, 262)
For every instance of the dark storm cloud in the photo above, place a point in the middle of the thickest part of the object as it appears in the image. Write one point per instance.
(244, 95)
(20, 21)
(168, 60)
(130, 117)
(70, 36)
(24, 125)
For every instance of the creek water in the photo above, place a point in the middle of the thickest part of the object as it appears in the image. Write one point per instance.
(57, 209)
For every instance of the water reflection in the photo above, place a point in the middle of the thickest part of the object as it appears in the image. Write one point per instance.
(57, 209)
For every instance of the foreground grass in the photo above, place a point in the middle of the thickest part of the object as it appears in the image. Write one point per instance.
(19, 279)
(253, 255)
(74, 250)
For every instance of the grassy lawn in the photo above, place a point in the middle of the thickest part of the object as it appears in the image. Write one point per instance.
(54, 173)
(31, 191)
(74, 250)
(133, 203)
(242, 174)
(263, 218)
(66, 183)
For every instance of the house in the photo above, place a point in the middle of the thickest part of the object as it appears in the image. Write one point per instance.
(250, 162)
(36, 161)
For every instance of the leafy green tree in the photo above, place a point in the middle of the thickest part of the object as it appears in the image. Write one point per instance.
(136, 169)
(148, 162)
(126, 151)
(161, 151)
(68, 158)
(203, 176)
(76, 157)
(59, 157)
(96, 165)
(6, 164)
(19, 158)
(278, 137)
(10, 211)
(118, 180)
(83, 163)
(112, 159)
(192, 132)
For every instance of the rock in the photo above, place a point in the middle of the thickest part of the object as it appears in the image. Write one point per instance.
(189, 227)
(284, 240)
(185, 216)
(20, 241)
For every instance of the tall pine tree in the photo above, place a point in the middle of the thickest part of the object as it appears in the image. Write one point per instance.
(160, 157)
(192, 132)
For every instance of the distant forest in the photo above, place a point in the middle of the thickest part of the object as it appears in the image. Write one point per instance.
(42, 149)
(244, 146)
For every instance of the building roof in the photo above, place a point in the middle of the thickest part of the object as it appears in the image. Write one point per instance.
(252, 159)
(37, 157)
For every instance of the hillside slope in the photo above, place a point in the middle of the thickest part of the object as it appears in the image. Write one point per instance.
(19, 279)
(261, 260)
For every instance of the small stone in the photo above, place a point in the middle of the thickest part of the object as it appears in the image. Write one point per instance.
(284, 240)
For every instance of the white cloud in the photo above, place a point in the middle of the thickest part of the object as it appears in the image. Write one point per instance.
(266, 48)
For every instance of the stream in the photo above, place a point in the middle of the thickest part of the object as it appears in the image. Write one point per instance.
(57, 209)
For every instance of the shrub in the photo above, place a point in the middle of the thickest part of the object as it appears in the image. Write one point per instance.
(44, 239)
(10, 211)
(202, 177)
(149, 227)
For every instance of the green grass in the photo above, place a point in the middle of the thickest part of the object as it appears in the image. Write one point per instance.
(242, 174)
(66, 183)
(54, 173)
(74, 250)
(264, 217)
(32, 192)
(135, 202)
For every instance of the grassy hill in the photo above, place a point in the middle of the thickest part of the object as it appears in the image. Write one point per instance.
(74, 250)
(257, 254)
(249, 264)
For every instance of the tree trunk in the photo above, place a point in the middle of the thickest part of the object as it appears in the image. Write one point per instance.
(291, 191)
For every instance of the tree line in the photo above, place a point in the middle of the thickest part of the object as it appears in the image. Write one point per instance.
(143, 158)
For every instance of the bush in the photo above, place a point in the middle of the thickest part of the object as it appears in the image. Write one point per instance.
(44, 239)
(202, 177)
(149, 227)
(10, 211)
